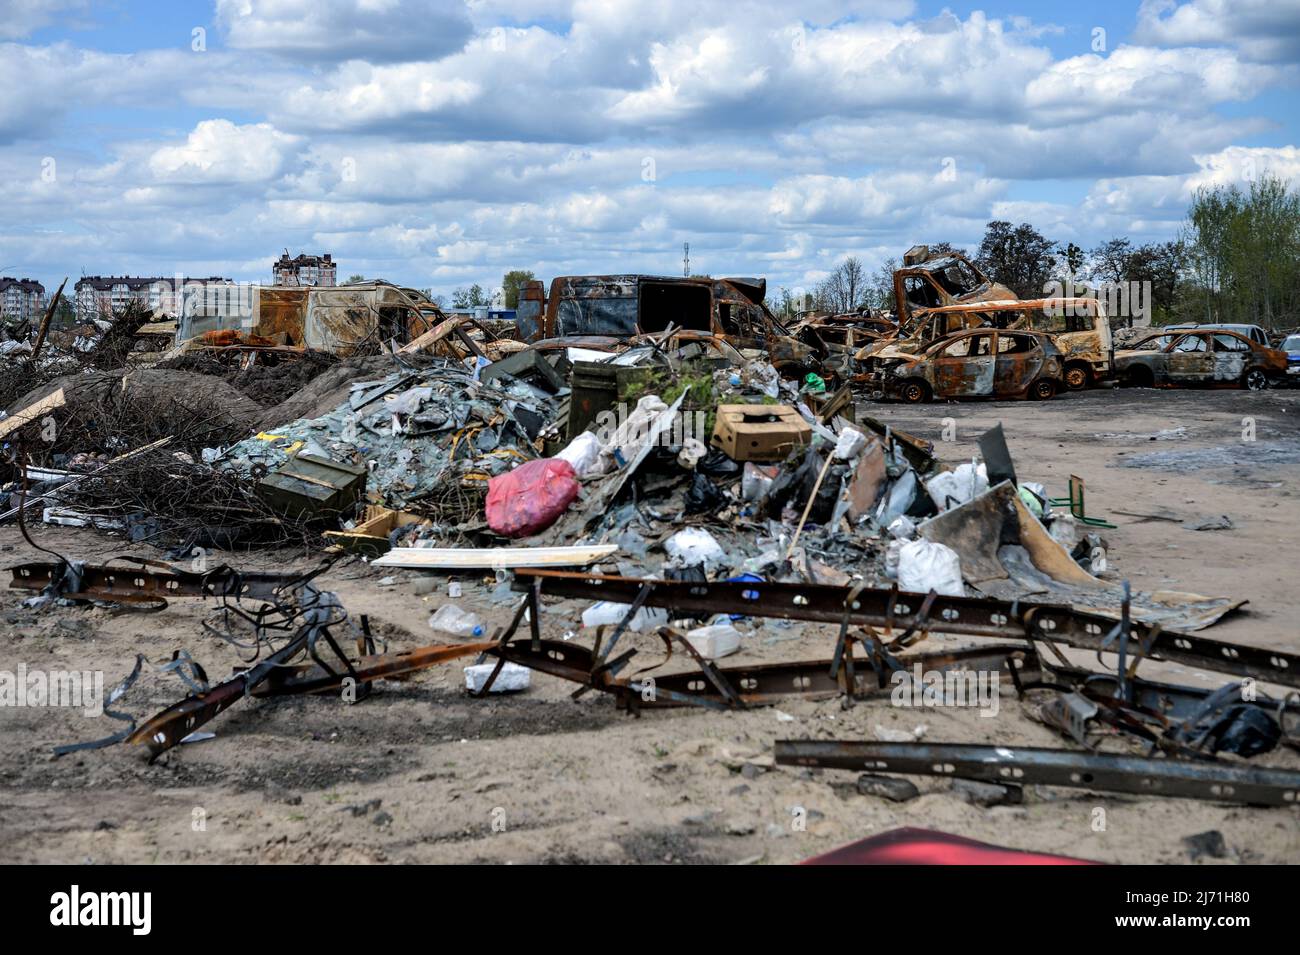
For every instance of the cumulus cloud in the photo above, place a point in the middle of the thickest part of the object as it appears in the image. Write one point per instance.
(440, 144)
(325, 30)
(1266, 30)
(20, 18)
(219, 152)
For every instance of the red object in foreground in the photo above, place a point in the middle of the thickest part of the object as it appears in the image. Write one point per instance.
(531, 497)
(926, 847)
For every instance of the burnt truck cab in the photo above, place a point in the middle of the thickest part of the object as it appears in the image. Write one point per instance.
(629, 306)
(938, 294)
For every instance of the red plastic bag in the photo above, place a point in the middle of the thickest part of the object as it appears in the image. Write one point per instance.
(530, 497)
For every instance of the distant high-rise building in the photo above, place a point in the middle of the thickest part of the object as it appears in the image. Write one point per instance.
(21, 299)
(305, 270)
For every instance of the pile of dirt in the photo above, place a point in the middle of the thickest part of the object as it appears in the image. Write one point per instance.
(267, 384)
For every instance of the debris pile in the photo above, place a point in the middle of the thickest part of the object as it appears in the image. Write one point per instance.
(705, 478)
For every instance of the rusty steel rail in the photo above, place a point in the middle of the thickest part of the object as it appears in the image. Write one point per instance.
(742, 686)
(892, 609)
(1020, 765)
(396, 665)
(135, 579)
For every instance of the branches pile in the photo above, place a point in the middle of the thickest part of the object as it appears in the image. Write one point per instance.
(119, 340)
(170, 501)
(116, 422)
(452, 501)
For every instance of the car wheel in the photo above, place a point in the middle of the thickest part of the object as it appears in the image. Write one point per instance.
(915, 391)
(1139, 377)
(1077, 377)
(1255, 380)
(1042, 389)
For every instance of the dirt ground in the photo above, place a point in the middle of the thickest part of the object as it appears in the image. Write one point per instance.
(421, 773)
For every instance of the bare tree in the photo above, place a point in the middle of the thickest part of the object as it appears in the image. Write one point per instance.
(845, 288)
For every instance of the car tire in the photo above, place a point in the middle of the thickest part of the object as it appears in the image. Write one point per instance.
(1077, 377)
(1138, 377)
(914, 391)
(1042, 389)
(1255, 380)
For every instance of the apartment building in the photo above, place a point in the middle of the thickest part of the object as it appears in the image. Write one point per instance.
(318, 270)
(98, 296)
(21, 299)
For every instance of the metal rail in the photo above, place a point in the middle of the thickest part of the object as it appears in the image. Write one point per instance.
(1019, 765)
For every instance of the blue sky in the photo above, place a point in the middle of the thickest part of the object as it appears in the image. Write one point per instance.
(437, 143)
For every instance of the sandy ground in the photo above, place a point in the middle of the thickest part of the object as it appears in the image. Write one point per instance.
(421, 773)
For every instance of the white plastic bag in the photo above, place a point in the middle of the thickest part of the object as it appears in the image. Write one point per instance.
(630, 435)
(695, 545)
(850, 444)
(691, 453)
(953, 488)
(902, 528)
(582, 453)
(928, 565)
(757, 481)
(512, 679)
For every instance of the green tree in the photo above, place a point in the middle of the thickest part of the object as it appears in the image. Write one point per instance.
(1073, 258)
(354, 278)
(881, 293)
(1108, 262)
(1243, 254)
(468, 297)
(1019, 257)
(512, 282)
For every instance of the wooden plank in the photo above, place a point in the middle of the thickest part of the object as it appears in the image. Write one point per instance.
(431, 337)
(32, 412)
(489, 558)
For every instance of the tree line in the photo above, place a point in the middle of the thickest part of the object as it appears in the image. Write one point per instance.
(1236, 259)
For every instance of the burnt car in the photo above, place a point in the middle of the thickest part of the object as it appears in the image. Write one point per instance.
(1204, 358)
(978, 363)
(939, 293)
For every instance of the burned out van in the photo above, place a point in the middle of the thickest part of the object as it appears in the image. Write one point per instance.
(622, 307)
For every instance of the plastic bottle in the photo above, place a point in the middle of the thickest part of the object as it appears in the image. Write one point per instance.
(451, 619)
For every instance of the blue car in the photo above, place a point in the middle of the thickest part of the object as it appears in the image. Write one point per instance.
(1292, 348)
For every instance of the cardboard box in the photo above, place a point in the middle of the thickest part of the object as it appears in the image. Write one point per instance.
(759, 432)
(370, 536)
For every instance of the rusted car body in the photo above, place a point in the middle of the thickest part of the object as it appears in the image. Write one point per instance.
(836, 339)
(939, 294)
(344, 319)
(1211, 359)
(625, 306)
(978, 363)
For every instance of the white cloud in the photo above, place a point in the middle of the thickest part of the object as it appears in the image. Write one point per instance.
(218, 151)
(19, 18)
(572, 136)
(1267, 30)
(325, 30)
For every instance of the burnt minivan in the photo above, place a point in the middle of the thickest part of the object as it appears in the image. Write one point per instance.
(623, 307)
